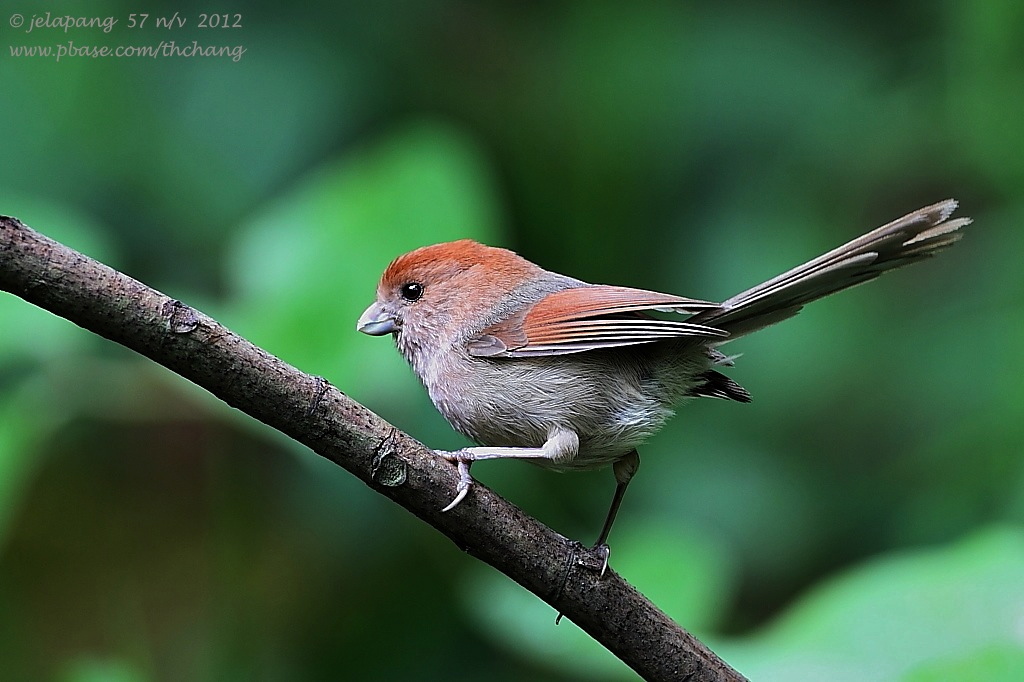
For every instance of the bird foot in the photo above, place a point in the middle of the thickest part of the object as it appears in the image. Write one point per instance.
(603, 551)
(463, 460)
(596, 559)
(599, 551)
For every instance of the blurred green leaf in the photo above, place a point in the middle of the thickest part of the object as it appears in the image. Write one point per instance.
(995, 663)
(897, 613)
(689, 575)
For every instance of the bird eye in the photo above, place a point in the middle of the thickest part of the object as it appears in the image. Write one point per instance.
(411, 291)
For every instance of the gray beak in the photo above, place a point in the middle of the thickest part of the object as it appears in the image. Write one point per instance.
(376, 322)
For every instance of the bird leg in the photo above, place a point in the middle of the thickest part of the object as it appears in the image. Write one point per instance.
(624, 469)
(561, 446)
(464, 459)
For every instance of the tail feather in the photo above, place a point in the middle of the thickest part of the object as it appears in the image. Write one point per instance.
(913, 237)
(717, 385)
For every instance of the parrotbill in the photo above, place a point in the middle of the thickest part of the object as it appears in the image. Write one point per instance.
(531, 364)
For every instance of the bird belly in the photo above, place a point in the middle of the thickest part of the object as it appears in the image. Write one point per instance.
(612, 406)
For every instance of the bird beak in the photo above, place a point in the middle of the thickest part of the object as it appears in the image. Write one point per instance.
(376, 322)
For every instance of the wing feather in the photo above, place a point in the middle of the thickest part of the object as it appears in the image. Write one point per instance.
(589, 317)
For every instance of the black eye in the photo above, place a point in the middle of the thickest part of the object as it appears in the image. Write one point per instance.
(411, 291)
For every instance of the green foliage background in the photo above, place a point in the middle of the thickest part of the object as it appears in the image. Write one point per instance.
(863, 519)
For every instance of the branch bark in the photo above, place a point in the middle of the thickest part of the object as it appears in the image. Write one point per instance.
(315, 413)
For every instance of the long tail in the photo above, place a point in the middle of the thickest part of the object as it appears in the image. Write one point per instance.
(913, 237)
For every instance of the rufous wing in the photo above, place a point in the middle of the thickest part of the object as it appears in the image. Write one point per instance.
(590, 317)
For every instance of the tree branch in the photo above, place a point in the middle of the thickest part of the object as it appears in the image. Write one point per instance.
(315, 413)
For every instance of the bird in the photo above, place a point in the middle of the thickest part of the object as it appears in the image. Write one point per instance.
(531, 364)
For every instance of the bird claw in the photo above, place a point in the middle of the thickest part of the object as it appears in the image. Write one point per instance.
(603, 551)
(465, 480)
(595, 560)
